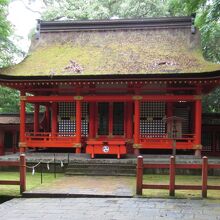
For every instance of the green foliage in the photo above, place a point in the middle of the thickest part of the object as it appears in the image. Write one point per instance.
(211, 102)
(7, 47)
(5, 31)
(104, 9)
(207, 20)
(9, 101)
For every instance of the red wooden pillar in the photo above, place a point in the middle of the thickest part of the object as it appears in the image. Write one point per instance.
(204, 176)
(139, 178)
(36, 117)
(22, 143)
(91, 120)
(54, 119)
(78, 125)
(96, 123)
(136, 126)
(198, 127)
(22, 173)
(172, 176)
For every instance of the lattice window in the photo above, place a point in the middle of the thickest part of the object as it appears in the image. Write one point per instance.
(84, 122)
(118, 118)
(151, 119)
(67, 118)
(183, 112)
(207, 141)
(217, 141)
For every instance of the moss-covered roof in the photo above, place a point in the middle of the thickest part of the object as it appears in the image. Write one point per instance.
(122, 51)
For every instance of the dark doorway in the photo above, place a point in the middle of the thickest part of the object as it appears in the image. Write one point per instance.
(8, 141)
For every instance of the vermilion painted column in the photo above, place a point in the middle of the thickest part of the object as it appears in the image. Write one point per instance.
(91, 120)
(22, 143)
(136, 126)
(198, 127)
(54, 119)
(96, 123)
(78, 126)
(36, 117)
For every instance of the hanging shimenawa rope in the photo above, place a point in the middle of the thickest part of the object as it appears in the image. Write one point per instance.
(48, 165)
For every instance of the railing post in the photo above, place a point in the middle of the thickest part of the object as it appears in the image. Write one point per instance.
(204, 176)
(172, 176)
(22, 173)
(139, 177)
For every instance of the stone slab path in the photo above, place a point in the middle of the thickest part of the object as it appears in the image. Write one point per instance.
(87, 186)
(109, 209)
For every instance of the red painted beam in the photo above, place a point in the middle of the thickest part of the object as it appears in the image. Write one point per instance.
(115, 98)
(137, 122)
(78, 125)
(9, 182)
(188, 187)
(22, 121)
(198, 122)
(154, 186)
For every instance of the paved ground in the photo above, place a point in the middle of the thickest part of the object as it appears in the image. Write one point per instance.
(88, 185)
(109, 209)
(34, 157)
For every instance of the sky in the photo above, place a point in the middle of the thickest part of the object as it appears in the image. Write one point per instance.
(23, 15)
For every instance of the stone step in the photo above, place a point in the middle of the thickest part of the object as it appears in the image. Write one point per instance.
(101, 166)
(101, 169)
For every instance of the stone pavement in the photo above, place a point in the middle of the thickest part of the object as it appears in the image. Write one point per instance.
(109, 209)
(72, 186)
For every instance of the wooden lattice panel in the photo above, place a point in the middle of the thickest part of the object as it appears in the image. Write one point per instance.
(84, 122)
(183, 112)
(151, 119)
(217, 140)
(67, 115)
(118, 118)
(67, 118)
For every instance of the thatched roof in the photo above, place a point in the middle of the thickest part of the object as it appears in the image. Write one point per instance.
(154, 46)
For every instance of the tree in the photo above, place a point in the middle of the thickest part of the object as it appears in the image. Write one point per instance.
(207, 20)
(104, 9)
(5, 31)
(9, 100)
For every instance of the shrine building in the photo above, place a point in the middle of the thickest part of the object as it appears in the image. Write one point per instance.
(114, 86)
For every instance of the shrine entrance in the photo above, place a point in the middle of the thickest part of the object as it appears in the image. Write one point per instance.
(110, 119)
(109, 135)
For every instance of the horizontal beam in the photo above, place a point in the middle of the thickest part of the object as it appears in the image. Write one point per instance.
(9, 182)
(116, 98)
(154, 186)
(188, 187)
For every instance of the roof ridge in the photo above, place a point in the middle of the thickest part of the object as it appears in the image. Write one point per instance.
(142, 23)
